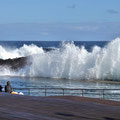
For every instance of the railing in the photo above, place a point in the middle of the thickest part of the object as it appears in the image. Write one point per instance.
(113, 94)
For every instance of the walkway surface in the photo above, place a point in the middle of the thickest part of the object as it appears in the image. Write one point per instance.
(16, 107)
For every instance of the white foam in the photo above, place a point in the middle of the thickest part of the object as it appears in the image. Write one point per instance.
(26, 50)
(72, 62)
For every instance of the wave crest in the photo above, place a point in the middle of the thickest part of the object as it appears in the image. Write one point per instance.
(72, 62)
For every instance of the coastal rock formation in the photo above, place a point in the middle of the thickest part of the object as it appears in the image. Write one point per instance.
(15, 63)
(18, 63)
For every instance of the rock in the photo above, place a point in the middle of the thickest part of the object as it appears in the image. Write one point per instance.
(15, 63)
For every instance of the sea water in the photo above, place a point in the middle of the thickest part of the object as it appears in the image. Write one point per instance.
(68, 64)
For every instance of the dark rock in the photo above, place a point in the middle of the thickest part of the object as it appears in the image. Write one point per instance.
(15, 63)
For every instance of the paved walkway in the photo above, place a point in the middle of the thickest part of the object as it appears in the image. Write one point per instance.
(16, 107)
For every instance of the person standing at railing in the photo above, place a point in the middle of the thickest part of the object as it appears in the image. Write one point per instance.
(8, 87)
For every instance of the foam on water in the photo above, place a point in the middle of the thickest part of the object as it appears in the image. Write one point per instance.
(26, 50)
(69, 61)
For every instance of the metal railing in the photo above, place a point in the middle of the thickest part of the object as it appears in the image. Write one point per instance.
(113, 94)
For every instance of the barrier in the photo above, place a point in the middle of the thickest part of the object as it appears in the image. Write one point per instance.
(112, 94)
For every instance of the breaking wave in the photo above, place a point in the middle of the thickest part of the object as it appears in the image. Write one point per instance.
(69, 61)
(26, 50)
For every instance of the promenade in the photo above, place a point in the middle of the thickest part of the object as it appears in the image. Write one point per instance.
(18, 107)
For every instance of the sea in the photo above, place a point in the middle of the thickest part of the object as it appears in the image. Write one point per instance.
(63, 64)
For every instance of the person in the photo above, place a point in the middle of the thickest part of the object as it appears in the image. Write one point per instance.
(8, 87)
(1, 87)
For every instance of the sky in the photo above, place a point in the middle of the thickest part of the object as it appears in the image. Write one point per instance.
(50, 20)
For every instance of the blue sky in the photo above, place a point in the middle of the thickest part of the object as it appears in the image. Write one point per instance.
(59, 19)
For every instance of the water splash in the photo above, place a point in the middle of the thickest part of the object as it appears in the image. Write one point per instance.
(71, 62)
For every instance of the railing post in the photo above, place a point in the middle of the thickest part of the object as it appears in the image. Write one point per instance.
(29, 91)
(45, 91)
(63, 91)
(103, 93)
(82, 92)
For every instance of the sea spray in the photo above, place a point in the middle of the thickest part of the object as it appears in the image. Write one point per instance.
(108, 62)
(25, 50)
(70, 61)
(73, 62)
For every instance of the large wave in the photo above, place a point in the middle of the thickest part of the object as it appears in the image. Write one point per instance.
(26, 50)
(69, 61)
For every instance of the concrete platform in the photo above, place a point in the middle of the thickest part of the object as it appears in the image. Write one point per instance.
(16, 107)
